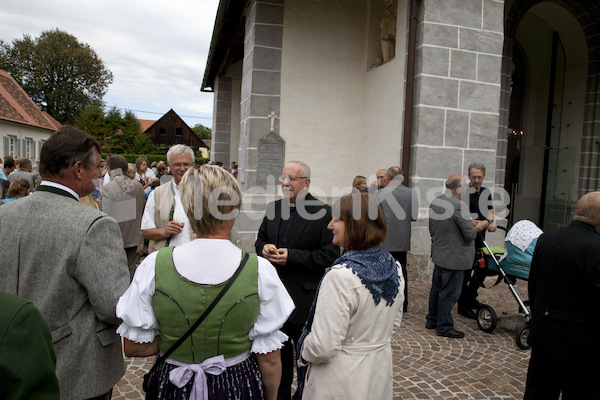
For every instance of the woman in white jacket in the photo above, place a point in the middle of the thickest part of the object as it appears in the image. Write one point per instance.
(346, 343)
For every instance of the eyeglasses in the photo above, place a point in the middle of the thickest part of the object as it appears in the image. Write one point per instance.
(284, 178)
(180, 165)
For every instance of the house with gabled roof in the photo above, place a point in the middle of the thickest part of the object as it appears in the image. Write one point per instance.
(24, 126)
(170, 129)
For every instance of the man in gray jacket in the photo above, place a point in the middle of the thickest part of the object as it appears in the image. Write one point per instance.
(452, 251)
(67, 259)
(400, 206)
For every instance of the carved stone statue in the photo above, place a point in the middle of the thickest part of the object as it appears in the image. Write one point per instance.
(387, 29)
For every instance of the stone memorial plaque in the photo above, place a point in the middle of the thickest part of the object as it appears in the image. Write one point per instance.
(271, 155)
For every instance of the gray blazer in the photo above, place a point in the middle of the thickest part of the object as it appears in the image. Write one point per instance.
(67, 258)
(452, 233)
(400, 206)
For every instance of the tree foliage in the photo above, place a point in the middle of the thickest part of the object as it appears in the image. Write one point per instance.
(57, 69)
(202, 131)
(116, 133)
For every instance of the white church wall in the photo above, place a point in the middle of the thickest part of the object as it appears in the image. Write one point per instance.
(337, 116)
(384, 106)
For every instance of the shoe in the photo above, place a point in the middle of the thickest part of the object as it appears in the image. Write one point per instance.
(452, 333)
(429, 326)
(467, 312)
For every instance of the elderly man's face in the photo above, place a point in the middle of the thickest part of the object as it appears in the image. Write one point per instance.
(86, 185)
(382, 178)
(476, 176)
(179, 165)
(293, 182)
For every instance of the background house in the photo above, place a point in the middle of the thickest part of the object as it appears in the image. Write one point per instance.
(24, 127)
(513, 84)
(170, 129)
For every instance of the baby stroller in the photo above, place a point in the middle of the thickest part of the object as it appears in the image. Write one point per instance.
(510, 263)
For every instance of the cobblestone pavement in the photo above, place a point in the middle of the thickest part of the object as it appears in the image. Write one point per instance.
(480, 366)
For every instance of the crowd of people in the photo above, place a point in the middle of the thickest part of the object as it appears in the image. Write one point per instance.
(322, 294)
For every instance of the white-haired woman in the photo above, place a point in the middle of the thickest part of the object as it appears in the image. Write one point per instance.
(234, 352)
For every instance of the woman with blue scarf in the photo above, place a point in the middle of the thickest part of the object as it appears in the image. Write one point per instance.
(345, 349)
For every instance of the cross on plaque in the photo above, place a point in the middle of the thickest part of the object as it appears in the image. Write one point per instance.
(272, 116)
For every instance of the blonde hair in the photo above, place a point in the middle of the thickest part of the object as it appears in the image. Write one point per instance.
(90, 201)
(19, 187)
(211, 196)
(131, 169)
(358, 180)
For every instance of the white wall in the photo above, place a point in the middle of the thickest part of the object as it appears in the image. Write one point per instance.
(22, 132)
(339, 118)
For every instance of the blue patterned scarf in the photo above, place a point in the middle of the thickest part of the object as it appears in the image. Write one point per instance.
(376, 269)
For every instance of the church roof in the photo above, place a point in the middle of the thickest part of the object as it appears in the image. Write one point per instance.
(227, 44)
(16, 106)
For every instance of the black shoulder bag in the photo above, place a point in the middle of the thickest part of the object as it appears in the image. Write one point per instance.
(160, 360)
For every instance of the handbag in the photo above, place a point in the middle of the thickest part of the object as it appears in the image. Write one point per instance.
(161, 359)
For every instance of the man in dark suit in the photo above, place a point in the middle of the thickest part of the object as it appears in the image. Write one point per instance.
(67, 259)
(564, 293)
(400, 205)
(295, 227)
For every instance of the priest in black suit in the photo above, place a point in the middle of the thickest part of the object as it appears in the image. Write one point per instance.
(564, 292)
(295, 227)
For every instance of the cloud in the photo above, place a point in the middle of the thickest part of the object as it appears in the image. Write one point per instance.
(157, 50)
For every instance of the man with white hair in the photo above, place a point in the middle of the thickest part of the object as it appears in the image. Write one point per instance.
(165, 221)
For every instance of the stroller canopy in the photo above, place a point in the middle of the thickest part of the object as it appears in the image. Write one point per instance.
(519, 244)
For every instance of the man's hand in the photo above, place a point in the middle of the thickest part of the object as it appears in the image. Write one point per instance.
(481, 226)
(491, 228)
(280, 258)
(173, 228)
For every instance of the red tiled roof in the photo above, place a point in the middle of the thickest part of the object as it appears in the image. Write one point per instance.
(17, 106)
(145, 124)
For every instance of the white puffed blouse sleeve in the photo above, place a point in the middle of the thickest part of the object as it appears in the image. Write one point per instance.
(276, 305)
(135, 305)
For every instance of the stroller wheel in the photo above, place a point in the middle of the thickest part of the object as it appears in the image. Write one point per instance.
(486, 318)
(521, 337)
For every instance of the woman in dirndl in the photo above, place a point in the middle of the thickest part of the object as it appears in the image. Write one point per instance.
(234, 352)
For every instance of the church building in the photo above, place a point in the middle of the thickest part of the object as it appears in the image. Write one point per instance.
(353, 86)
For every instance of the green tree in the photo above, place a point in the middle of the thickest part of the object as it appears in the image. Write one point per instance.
(202, 131)
(116, 133)
(57, 69)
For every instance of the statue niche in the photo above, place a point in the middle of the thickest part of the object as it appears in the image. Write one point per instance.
(387, 32)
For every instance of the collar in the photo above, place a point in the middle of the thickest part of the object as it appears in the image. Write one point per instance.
(57, 188)
(585, 225)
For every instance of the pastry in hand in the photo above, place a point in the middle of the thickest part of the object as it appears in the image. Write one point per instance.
(272, 249)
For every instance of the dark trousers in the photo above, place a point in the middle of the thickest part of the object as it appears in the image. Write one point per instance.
(547, 376)
(287, 360)
(445, 289)
(400, 256)
(471, 281)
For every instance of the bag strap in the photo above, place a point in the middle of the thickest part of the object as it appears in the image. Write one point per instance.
(204, 314)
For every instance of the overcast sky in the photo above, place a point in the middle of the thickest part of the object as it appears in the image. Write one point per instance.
(156, 50)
